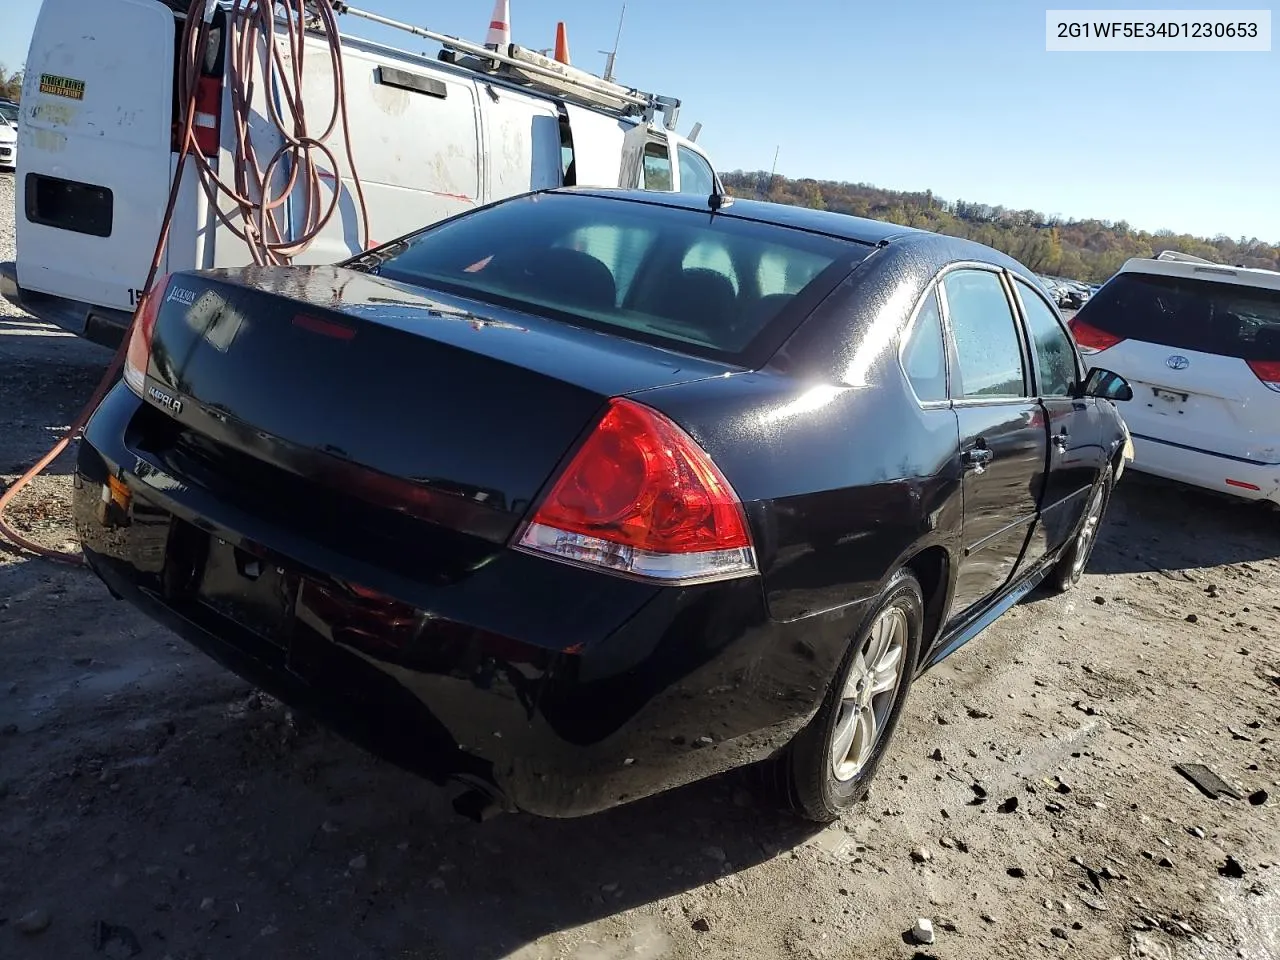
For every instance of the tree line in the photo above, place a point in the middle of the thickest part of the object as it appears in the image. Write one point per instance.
(1090, 250)
(10, 83)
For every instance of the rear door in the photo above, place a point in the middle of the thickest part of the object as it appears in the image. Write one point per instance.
(93, 176)
(1199, 352)
(1003, 439)
(1076, 455)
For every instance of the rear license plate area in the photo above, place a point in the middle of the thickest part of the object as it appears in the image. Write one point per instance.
(254, 594)
(1167, 401)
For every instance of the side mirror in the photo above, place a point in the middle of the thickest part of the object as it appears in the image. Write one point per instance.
(1106, 385)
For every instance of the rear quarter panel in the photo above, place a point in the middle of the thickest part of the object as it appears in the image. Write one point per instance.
(843, 474)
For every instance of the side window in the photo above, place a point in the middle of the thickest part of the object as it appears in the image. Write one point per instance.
(988, 351)
(708, 255)
(695, 175)
(1055, 355)
(657, 167)
(924, 354)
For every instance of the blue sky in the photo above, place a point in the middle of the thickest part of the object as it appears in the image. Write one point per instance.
(957, 97)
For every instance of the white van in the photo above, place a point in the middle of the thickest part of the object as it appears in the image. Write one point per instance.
(431, 138)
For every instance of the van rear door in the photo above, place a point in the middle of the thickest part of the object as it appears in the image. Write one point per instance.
(94, 163)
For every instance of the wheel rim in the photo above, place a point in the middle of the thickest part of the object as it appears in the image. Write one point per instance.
(869, 693)
(1084, 543)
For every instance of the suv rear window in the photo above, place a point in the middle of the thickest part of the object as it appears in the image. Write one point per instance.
(1202, 315)
(709, 286)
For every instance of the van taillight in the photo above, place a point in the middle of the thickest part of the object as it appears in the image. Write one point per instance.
(1268, 371)
(1090, 339)
(642, 499)
(138, 355)
(207, 121)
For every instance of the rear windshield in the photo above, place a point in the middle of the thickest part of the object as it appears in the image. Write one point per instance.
(709, 286)
(1202, 315)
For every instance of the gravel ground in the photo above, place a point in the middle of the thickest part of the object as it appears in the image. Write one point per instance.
(151, 804)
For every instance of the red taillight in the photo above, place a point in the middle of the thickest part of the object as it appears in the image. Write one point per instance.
(207, 120)
(1091, 339)
(138, 354)
(1268, 371)
(642, 498)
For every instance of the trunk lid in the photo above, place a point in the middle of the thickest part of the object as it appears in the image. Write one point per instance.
(322, 383)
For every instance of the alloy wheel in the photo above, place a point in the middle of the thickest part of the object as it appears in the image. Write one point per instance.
(1084, 545)
(869, 692)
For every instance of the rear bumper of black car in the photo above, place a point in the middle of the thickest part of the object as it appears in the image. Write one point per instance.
(563, 691)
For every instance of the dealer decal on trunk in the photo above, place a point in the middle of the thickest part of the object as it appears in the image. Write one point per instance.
(62, 86)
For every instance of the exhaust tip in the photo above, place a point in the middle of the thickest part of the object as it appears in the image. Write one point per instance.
(476, 805)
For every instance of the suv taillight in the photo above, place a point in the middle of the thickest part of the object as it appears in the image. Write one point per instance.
(641, 498)
(1091, 339)
(138, 354)
(1268, 371)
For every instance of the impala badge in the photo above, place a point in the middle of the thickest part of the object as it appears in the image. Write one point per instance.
(1177, 362)
(162, 398)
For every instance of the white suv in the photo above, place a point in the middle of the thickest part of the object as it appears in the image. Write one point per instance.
(1200, 345)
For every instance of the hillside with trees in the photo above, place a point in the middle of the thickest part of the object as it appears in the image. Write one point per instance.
(10, 83)
(1089, 250)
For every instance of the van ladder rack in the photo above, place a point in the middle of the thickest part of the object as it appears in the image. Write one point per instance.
(531, 69)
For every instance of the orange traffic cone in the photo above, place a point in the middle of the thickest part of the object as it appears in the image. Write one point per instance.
(499, 26)
(562, 43)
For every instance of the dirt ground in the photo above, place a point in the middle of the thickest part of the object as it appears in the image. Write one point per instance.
(153, 805)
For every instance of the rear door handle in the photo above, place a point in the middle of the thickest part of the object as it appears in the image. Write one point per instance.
(1060, 440)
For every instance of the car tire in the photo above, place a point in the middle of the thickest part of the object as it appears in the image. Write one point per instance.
(1069, 569)
(819, 786)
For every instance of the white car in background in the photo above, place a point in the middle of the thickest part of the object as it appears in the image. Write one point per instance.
(1200, 345)
(8, 135)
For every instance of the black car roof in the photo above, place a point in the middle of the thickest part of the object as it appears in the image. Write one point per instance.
(840, 225)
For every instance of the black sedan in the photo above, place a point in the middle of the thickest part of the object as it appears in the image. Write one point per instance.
(588, 494)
